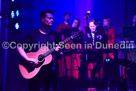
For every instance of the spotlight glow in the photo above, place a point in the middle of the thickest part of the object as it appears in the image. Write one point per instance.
(17, 26)
(17, 13)
(12, 14)
(12, 0)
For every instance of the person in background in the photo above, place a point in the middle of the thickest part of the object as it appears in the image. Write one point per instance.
(65, 24)
(134, 21)
(131, 75)
(91, 37)
(110, 32)
(76, 23)
(76, 57)
(134, 25)
(110, 57)
(65, 61)
(94, 36)
(75, 26)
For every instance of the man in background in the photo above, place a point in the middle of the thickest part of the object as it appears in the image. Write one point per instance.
(65, 24)
(134, 25)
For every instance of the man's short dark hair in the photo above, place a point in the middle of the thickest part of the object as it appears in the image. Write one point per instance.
(43, 13)
(67, 13)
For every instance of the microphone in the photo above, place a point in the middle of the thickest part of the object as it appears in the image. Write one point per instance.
(87, 14)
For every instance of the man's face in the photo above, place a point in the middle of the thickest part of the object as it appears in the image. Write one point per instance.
(105, 22)
(48, 19)
(92, 26)
(66, 17)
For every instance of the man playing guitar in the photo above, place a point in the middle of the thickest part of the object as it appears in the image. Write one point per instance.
(44, 35)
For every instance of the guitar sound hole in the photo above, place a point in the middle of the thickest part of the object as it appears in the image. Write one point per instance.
(40, 58)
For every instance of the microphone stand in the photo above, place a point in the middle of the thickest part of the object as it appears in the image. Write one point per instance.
(107, 58)
(86, 53)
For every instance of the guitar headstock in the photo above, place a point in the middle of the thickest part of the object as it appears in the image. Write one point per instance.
(77, 34)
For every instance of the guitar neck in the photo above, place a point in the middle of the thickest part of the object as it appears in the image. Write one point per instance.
(61, 43)
(49, 52)
(53, 49)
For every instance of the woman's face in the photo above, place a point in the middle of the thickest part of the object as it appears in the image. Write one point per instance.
(134, 19)
(75, 24)
(105, 22)
(92, 26)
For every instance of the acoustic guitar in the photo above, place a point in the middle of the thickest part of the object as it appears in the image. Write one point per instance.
(43, 57)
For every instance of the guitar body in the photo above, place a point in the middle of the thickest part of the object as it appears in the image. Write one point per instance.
(28, 71)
